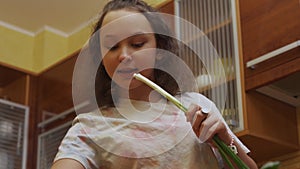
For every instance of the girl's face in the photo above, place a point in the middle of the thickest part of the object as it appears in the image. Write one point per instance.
(128, 46)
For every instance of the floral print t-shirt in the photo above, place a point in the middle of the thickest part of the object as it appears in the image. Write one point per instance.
(139, 135)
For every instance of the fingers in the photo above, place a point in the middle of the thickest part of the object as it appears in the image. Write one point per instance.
(192, 111)
(198, 119)
(209, 128)
(213, 126)
(206, 125)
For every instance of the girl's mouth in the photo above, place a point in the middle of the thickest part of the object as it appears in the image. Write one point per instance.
(127, 70)
(127, 73)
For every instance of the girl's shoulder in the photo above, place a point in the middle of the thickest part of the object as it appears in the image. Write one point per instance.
(87, 115)
(193, 97)
(99, 115)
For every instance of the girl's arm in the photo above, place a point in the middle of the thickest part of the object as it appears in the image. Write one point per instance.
(67, 164)
(246, 158)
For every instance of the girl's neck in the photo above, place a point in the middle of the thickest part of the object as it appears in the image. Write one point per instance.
(142, 93)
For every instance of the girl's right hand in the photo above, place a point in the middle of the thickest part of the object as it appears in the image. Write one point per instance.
(206, 125)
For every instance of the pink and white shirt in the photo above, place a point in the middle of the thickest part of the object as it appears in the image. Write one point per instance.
(139, 135)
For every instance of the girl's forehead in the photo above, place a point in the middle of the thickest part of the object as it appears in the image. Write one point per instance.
(124, 23)
(116, 14)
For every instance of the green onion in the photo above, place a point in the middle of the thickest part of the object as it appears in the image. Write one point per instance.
(240, 164)
(160, 90)
(223, 148)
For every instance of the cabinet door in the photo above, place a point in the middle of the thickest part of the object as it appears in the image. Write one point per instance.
(48, 143)
(13, 135)
(270, 40)
(216, 65)
(268, 25)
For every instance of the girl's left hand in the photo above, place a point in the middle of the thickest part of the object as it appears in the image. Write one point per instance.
(206, 125)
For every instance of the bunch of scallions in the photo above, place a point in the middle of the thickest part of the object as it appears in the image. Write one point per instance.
(224, 150)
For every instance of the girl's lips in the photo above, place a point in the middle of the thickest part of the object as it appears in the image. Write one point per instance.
(127, 73)
(127, 70)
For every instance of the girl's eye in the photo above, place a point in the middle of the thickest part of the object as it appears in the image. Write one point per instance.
(111, 48)
(138, 45)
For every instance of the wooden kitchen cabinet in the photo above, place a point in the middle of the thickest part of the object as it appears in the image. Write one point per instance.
(269, 126)
(268, 25)
(13, 85)
(265, 27)
(46, 94)
(271, 129)
(19, 86)
(55, 109)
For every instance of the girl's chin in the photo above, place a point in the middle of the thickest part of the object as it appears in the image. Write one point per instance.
(126, 76)
(129, 84)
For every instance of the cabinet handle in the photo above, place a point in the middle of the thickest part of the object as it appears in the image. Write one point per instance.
(252, 63)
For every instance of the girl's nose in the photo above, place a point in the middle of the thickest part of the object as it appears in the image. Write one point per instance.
(125, 56)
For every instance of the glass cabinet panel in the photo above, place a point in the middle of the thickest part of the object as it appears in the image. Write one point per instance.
(214, 19)
(13, 135)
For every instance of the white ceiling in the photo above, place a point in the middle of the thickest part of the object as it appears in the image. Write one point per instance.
(33, 16)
